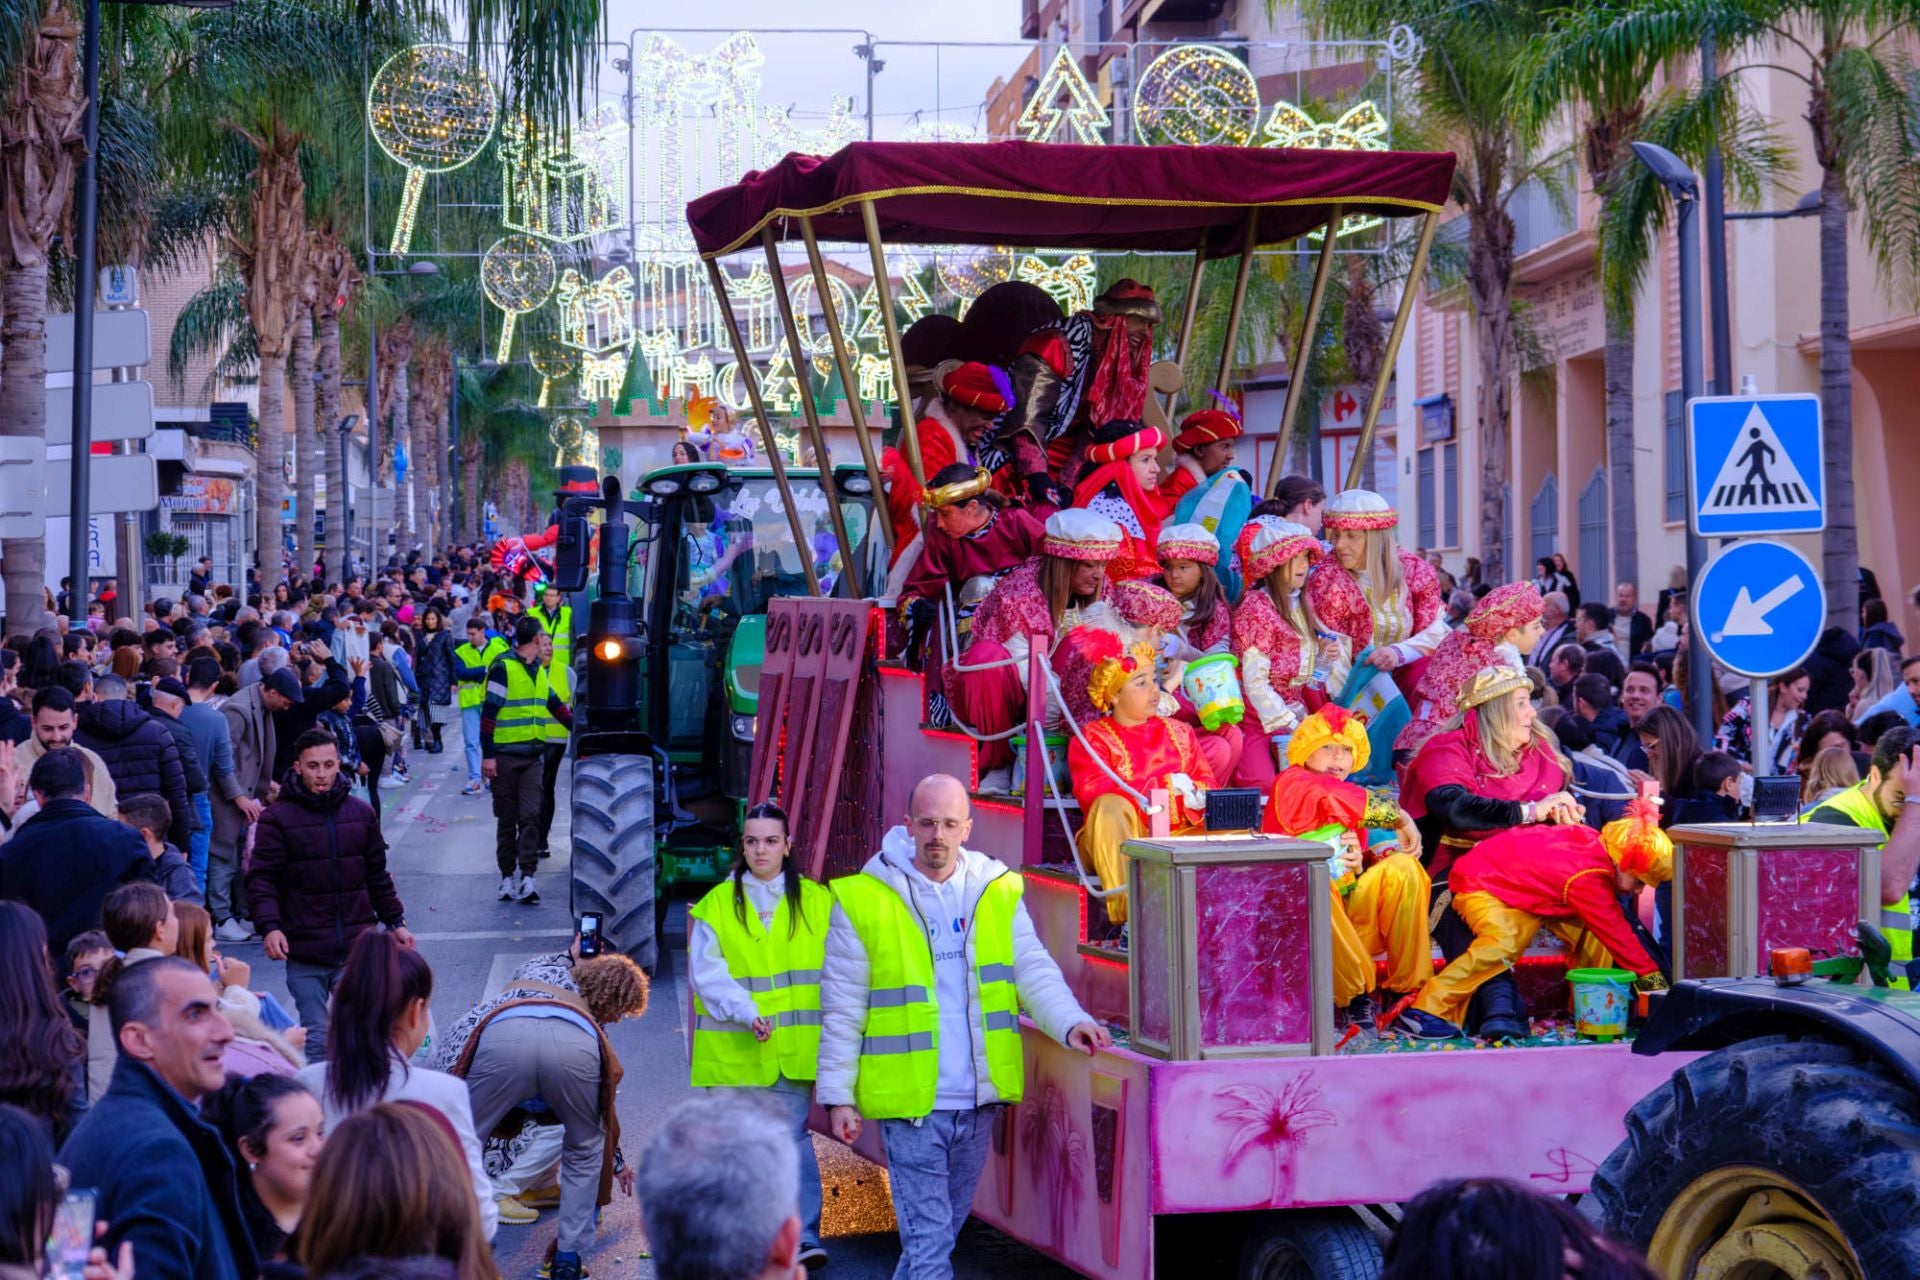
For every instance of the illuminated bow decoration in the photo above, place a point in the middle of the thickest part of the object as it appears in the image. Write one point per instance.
(1070, 283)
(1364, 128)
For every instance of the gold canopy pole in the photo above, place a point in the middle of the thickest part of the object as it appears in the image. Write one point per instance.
(849, 380)
(809, 411)
(1187, 321)
(1297, 369)
(802, 545)
(909, 440)
(1234, 311)
(1415, 274)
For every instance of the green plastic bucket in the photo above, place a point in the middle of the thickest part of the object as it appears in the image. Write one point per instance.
(1601, 998)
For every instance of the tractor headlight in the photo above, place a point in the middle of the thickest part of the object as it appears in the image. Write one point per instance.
(664, 487)
(703, 482)
(744, 727)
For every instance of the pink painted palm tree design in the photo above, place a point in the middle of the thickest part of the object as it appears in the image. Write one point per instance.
(1057, 1155)
(1276, 1122)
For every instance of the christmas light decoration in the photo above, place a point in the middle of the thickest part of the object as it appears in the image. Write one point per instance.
(941, 131)
(602, 375)
(432, 111)
(778, 385)
(1070, 283)
(697, 126)
(754, 308)
(552, 359)
(781, 137)
(1081, 114)
(1361, 128)
(565, 190)
(1196, 95)
(876, 377)
(575, 443)
(596, 316)
(972, 273)
(518, 274)
(846, 305)
(909, 295)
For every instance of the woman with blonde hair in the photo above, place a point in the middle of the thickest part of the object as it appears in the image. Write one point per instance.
(256, 1048)
(1492, 769)
(1386, 601)
(1876, 673)
(397, 1167)
(1832, 770)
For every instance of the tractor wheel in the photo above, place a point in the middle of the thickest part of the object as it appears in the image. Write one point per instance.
(1310, 1246)
(613, 851)
(1776, 1157)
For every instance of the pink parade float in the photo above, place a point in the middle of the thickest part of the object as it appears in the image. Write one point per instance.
(1227, 1120)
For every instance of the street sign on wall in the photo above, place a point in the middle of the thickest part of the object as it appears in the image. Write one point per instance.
(117, 482)
(1760, 607)
(1756, 465)
(121, 340)
(121, 411)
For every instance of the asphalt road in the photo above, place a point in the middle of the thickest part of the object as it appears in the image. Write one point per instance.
(442, 859)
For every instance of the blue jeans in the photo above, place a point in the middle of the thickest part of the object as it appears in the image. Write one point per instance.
(202, 839)
(934, 1165)
(792, 1100)
(311, 986)
(470, 739)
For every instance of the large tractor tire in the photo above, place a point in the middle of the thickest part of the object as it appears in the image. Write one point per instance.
(1310, 1246)
(613, 852)
(1778, 1157)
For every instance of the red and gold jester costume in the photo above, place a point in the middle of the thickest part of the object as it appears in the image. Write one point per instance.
(1412, 620)
(1154, 754)
(1384, 909)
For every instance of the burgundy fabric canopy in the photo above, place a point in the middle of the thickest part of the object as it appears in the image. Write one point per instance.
(1068, 196)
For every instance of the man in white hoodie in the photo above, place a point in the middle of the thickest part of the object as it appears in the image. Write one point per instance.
(930, 956)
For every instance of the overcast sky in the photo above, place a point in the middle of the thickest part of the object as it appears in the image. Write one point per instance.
(806, 70)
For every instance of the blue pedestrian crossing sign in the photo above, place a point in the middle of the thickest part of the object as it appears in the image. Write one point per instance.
(1759, 607)
(1756, 465)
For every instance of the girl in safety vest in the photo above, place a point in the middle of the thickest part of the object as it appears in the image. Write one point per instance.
(755, 948)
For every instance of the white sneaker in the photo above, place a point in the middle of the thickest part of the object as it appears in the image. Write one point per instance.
(997, 781)
(509, 888)
(528, 894)
(233, 931)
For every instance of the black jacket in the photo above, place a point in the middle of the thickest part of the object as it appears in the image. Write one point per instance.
(164, 1179)
(1830, 670)
(141, 756)
(319, 872)
(288, 725)
(16, 726)
(64, 861)
(1613, 734)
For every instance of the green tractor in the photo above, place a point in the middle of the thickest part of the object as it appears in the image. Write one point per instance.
(664, 724)
(1790, 1148)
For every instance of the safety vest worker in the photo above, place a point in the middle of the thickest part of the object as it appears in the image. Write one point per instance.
(555, 617)
(1885, 802)
(930, 957)
(755, 947)
(513, 748)
(471, 660)
(560, 683)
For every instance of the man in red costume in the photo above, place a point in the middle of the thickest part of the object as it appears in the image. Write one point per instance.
(972, 539)
(1202, 449)
(1147, 751)
(973, 396)
(1068, 379)
(1380, 902)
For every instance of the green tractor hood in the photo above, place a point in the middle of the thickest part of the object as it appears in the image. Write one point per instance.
(744, 658)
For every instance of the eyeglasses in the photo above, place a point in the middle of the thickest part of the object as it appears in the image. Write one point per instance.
(87, 972)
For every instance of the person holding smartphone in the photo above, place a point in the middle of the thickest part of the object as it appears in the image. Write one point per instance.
(755, 947)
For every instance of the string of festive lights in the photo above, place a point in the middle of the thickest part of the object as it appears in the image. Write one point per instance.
(565, 190)
(1196, 95)
(518, 275)
(432, 111)
(1362, 127)
(1070, 283)
(1080, 113)
(552, 359)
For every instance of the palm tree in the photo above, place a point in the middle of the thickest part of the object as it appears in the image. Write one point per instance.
(40, 144)
(306, 440)
(1610, 87)
(1849, 57)
(335, 280)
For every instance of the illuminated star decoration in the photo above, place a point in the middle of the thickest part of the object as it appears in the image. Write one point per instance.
(517, 273)
(1070, 283)
(1363, 128)
(1082, 114)
(908, 294)
(565, 190)
(432, 111)
(1196, 95)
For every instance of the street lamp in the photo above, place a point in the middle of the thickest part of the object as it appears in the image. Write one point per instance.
(1672, 173)
(79, 473)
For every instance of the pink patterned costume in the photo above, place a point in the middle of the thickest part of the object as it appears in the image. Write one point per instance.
(1466, 652)
(1414, 624)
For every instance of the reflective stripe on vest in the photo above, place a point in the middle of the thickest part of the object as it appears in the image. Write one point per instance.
(523, 716)
(560, 681)
(899, 1051)
(1896, 918)
(781, 969)
(474, 692)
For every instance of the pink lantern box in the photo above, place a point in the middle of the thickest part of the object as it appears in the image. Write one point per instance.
(1742, 889)
(1231, 945)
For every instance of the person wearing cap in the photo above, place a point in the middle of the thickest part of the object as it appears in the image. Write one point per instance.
(973, 396)
(1503, 625)
(519, 705)
(1120, 760)
(1380, 891)
(1385, 600)
(1037, 602)
(1570, 879)
(1152, 616)
(1490, 773)
(971, 540)
(1189, 556)
(1282, 654)
(1122, 484)
(1208, 491)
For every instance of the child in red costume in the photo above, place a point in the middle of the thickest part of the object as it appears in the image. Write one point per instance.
(1380, 904)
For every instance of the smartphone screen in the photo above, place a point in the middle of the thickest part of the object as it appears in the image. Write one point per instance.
(72, 1237)
(589, 934)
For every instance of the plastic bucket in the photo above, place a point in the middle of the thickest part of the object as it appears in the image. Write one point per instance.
(1056, 756)
(1601, 998)
(1212, 685)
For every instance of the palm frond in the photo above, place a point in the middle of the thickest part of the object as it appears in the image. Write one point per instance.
(207, 322)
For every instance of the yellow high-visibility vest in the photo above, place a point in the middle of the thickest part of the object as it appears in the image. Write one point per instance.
(524, 716)
(780, 965)
(1896, 918)
(473, 692)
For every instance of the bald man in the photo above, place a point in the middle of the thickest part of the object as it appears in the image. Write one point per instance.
(924, 1036)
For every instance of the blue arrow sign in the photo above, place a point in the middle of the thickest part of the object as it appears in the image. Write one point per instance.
(1756, 465)
(1759, 607)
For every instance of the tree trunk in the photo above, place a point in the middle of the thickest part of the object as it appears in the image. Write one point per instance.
(1490, 287)
(515, 502)
(1619, 381)
(23, 413)
(307, 445)
(269, 482)
(1840, 553)
(1365, 341)
(326, 345)
(467, 520)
